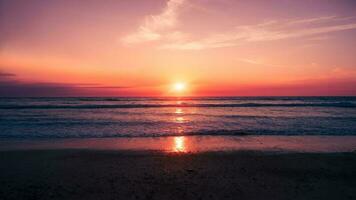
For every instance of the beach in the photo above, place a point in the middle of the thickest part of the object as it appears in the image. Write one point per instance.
(106, 173)
(177, 100)
(178, 148)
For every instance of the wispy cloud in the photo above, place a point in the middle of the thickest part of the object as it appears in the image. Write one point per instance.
(312, 20)
(255, 62)
(163, 27)
(268, 31)
(154, 26)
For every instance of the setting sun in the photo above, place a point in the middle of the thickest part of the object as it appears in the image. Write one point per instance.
(179, 87)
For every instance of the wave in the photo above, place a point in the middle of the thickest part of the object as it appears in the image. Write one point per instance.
(182, 98)
(100, 106)
(217, 132)
(266, 98)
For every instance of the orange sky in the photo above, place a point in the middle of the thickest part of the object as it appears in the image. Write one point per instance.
(141, 48)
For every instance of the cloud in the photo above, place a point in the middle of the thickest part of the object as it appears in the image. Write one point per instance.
(265, 35)
(312, 20)
(255, 62)
(163, 27)
(106, 87)
(3, 74)
(154, 25)
(12, 87)
(268, 31)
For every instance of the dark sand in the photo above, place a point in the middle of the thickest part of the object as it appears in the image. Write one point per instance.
(104, 174)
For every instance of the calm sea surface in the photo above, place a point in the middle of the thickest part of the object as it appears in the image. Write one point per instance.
(131, 117)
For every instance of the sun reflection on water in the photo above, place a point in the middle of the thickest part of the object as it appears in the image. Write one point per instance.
(179, 144)
(178, 111)
(179, 116)
(179, 119)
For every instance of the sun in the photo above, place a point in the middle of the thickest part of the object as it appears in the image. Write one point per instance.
(179, 87)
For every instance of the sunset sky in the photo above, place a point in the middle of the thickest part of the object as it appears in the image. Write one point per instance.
(144, 48)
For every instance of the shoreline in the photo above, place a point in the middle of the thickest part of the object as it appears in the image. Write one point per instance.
(192, 144)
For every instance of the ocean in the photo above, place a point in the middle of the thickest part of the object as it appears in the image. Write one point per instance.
(152, 117)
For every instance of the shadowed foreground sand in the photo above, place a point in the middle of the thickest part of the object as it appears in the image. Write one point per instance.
(93, 174)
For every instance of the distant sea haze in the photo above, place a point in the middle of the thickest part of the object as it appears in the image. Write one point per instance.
(154, 117)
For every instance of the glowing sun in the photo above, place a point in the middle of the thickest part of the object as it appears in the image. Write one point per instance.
(179, 87)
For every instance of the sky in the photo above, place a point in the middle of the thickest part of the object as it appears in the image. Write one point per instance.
(144, 47)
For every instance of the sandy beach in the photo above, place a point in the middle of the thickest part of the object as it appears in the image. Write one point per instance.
(177, 100)
(151, 174)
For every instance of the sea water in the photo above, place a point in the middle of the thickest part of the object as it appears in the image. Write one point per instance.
(151, 117)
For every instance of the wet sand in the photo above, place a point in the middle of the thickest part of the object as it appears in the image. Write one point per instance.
(109, 174)
(192, 144)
